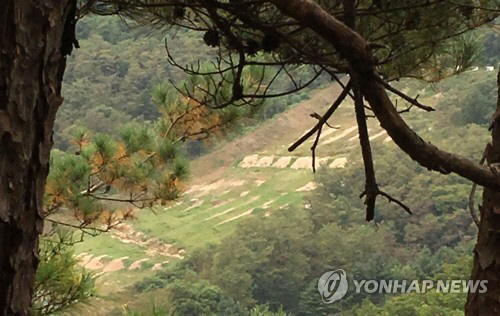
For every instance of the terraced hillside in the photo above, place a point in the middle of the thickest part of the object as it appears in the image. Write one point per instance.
(249, 176)
(252, 175)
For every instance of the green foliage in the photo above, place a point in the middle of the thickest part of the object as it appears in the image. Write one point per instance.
(194, 297)
(108, 81)
(263, 310)
(200, 298)
(139, 168)
(59, 282)
(479, 102)
(154, 310)
(415, 304)
(256, 265)
(276, 260)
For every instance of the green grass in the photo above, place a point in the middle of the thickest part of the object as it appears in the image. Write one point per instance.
(195, 228)
(105, 245)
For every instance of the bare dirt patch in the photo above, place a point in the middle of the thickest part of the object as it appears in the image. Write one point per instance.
(137, 264)
(154, 247)
(258, 183)
(265, 161)
(308, 187)
(302, 163)
(282, 162)
(115, 265)
(203, 189)
(84, 258)
(236, 217)
(95, 263)
(249, 161)
(338, 163)
(282, 129)
(378, 135)
(337, 137)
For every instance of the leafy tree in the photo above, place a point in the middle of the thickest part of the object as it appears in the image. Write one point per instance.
(200, 298)
(258, 265)
(97, 187)
(479, 103)
(263, 310)
(376, 41)
(279, 28)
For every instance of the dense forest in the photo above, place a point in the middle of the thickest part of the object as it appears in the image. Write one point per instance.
(274, 262)
(152, 171)
(278, 272)
(111, 80)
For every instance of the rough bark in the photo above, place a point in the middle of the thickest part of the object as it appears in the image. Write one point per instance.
(487, 250)
(33, 43)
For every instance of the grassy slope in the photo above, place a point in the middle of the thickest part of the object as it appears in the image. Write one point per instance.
(229, 191)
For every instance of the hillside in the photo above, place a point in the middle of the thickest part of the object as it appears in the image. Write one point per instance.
(251, 176)
(248, 175)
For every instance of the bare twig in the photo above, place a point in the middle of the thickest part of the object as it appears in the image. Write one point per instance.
(323, 119)
(372, 189)
(405, 97)
(313, 148)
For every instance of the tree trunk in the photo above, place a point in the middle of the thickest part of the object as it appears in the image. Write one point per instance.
(487, 250)
(35, 36)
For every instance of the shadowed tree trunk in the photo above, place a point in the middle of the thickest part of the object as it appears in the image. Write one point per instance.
(487, 250)
(35, 36)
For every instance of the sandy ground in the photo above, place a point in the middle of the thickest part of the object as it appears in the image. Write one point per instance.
(153, 247)
(95, 263)
(203, 189)
(115, 265)
(137, 264)
(282, 162)
(338, 163)
(236, 217)
(258, 183)
(265, 161)
(378, 135)
(302, 163)
(308, 187)
(337, 137)
(249, 161)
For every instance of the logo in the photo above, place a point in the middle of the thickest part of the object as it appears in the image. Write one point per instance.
(333, 286)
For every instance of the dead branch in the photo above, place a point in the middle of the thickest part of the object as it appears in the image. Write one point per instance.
(412, 101)
(323, 119)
